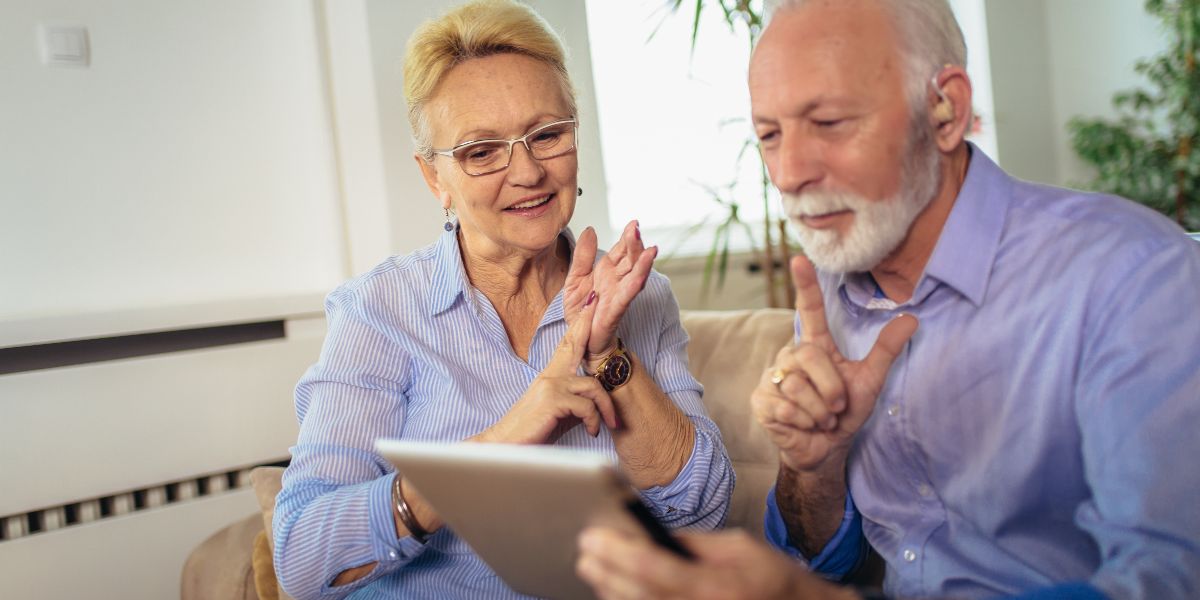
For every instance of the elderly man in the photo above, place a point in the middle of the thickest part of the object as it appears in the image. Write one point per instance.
(1035, 435)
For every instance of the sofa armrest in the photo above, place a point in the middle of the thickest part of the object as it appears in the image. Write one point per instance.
(220, 567)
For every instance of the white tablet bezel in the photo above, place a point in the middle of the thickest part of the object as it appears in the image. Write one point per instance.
(520, 508)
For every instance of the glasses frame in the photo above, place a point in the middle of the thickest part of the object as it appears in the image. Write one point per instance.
(524, 140)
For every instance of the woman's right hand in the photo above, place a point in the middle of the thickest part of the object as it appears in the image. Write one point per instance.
(617, 278)
(559, 397)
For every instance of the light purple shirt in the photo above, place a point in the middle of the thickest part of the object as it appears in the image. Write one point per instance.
(1043, 424)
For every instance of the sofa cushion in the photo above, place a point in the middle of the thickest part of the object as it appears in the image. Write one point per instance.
(267, 481)
(220, 567)
(728, 352)
(265, 584)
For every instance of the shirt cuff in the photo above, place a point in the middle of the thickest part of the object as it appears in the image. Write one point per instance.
(387, 548)
(840, 556)
(679, 495)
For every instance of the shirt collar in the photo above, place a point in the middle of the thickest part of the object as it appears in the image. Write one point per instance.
(450, 276)
(966, 248)
(970, 239)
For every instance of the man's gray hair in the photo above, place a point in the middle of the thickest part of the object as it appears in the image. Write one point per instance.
(929, 36)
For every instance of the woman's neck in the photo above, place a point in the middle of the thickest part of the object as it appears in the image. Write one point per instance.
(514, 279)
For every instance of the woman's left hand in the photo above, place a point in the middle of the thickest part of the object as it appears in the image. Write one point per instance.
(616, 279)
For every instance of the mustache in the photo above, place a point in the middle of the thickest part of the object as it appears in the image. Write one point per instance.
(815, 203)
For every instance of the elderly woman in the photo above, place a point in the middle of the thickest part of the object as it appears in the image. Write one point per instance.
(455, 341)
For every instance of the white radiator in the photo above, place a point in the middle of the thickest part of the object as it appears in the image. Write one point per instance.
(111, 472)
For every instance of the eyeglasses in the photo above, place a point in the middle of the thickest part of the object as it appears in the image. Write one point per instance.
(483, 157)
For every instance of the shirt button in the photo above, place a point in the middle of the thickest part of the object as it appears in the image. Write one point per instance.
(924, 490)
(910, 556)
(893, 410)
(392, 553)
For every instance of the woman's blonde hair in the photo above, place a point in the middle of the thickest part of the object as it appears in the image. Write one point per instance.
(474, 30)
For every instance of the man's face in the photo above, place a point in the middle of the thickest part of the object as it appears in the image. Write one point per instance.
(838, 137)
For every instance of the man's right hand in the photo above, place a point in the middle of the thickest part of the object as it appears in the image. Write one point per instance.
(823, 399)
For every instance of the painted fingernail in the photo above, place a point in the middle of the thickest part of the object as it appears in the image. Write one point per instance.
(590, 299)
(637, 230)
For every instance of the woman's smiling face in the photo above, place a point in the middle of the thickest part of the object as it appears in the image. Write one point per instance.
(521, 209)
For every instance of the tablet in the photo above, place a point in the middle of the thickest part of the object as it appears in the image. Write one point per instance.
(521, 508)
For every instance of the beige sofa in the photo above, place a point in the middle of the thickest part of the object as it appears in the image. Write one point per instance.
(728, 352)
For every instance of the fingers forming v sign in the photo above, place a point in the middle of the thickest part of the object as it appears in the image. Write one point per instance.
(823, 398)
(559, 396)
(617, 278)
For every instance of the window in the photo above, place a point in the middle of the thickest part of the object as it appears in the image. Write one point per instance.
(672, 123)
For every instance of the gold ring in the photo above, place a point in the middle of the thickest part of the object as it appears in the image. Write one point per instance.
(777, 376)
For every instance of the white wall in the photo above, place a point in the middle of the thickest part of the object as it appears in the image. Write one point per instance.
(187, 176)
(190, 163)
(1021, 79)
(1093, 46)
(1055, 59)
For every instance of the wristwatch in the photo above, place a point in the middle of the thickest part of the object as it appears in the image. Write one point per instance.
(616, 368)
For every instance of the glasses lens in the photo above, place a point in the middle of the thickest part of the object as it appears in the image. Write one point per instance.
(552, 140)
(482, 157)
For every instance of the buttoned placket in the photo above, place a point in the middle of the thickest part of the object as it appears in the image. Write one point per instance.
(897, 425)
(911, 550)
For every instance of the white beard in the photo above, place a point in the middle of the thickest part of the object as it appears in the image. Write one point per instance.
(879, 226)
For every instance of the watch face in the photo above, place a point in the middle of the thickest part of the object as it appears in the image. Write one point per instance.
(616, 372)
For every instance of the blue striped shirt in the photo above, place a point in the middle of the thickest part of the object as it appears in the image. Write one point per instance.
(414, 351)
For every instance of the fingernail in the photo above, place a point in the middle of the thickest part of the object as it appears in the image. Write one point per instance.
(637, 231)
(587, 539)
(590, 299)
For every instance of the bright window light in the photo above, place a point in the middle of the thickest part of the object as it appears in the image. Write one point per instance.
(672, 123)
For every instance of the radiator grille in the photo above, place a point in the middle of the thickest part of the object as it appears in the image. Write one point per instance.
(54, 518)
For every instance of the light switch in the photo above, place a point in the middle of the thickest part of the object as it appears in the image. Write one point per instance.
(65, 45)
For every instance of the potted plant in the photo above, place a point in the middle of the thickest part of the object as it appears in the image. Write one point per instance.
(744, 17)
(1149, 153)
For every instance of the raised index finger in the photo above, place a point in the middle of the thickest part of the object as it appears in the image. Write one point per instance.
(810, 306)
(584, 256)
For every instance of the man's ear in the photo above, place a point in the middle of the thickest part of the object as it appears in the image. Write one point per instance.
(430, 173)
(951, 112)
